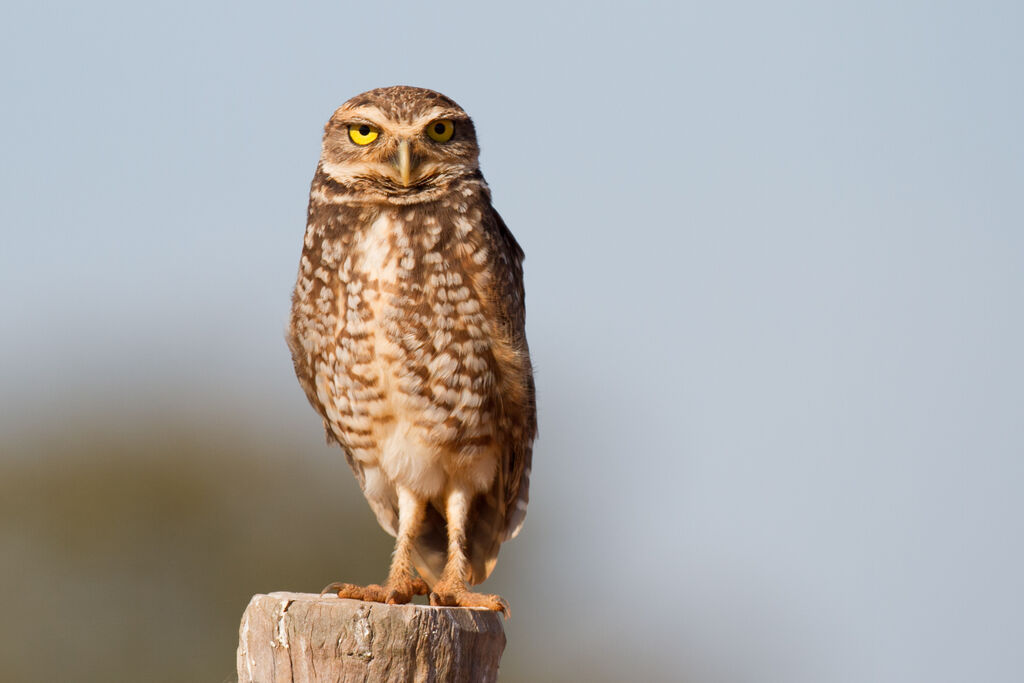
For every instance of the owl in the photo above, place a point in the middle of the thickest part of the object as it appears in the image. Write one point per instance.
(407, 333)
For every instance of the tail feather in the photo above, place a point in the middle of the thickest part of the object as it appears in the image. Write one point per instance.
(430, 550)
(483, 540)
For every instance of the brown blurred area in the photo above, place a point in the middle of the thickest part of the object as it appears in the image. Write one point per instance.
(129, 553)
(130, 556)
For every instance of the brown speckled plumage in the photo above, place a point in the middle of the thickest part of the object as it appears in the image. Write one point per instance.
(408, 337)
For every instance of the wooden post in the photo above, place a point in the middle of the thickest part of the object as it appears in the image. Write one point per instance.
(302, 637)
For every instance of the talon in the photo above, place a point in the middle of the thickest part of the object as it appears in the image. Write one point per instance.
(330, 588)
(338, 588)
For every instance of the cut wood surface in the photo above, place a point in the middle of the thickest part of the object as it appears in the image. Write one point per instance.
(300, 637)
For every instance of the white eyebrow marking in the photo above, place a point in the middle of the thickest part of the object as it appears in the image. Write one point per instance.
(377, 117)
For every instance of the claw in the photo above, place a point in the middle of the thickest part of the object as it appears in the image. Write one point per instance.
(332, 588)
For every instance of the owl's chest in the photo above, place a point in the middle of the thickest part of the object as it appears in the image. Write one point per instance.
(394, 342)
(399, 284)
(409, 361)
(410, 314)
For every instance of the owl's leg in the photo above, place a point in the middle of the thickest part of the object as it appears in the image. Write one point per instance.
(401, 585)
(451, 590)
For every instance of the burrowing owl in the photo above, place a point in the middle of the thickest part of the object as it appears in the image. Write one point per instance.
(408, 336)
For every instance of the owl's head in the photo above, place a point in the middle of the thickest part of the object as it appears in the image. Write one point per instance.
(399, 145)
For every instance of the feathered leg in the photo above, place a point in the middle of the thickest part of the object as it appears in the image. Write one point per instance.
(451, 590)
(401, 585)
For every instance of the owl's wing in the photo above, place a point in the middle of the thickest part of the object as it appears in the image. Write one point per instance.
(498, 515)
(385, 507)
(520, 417)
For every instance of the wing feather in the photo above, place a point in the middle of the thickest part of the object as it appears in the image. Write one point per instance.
(520, 418)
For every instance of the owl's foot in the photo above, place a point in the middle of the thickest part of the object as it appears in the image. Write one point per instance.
(392, 592)
(456, 597)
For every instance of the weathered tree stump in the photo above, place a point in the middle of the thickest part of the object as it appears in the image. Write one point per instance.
(300, 637)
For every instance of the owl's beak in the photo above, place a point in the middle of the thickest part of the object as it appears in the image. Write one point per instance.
(404, 162)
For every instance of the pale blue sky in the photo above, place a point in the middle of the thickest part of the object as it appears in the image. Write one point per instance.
(775, 283)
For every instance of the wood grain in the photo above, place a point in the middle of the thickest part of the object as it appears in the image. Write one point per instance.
(303, 637)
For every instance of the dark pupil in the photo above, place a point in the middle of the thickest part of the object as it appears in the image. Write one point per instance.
(439, 128)
(364, 129)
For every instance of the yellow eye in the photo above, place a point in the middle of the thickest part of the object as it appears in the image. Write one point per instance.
(362, 134)
(441, 130)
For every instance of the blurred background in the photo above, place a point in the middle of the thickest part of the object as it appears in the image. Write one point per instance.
(775, 283)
